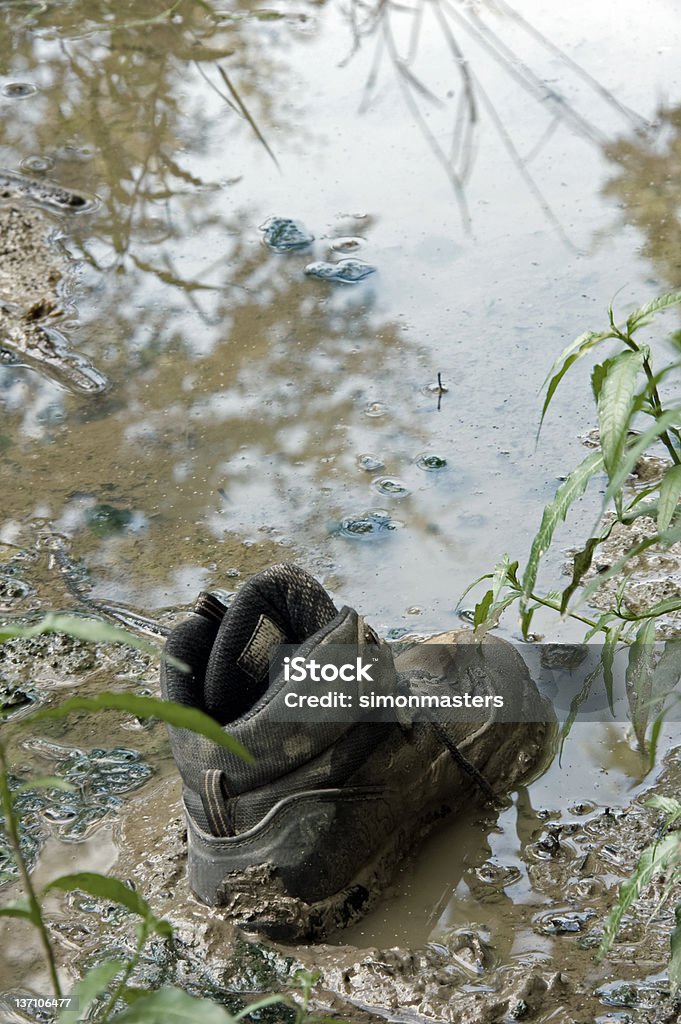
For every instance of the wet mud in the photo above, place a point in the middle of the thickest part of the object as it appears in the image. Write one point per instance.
(531, 960)
(37, 279)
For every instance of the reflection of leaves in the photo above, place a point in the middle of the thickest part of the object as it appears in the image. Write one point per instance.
(390, 20)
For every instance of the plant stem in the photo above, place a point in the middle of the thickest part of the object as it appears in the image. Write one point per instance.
(34, 905)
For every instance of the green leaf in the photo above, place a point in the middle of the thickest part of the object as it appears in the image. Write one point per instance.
(653, 860)
(485, 576)
(633, 453)
(616, 405)
(639, 679)
(20, 908)
(553, 386)
(568, 357)
(91, 986)
(598, 375)
(554, 513)
(177, 715)
(674, 968)
(260, 1004)
(92, 630)
(640, 315)
(668, 805)
(481, 609)
(580, 566)
(670, 490)
(103, 887)
(172, 1006)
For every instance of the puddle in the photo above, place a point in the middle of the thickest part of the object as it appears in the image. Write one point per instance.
(183, 403)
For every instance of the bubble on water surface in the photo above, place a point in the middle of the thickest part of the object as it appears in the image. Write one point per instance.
(19, 90)
(390, 488)
(343, 272)
(346, 244)
(369, 463)
(369, 526)
(430, 462)
(284, 235)
(37, 164)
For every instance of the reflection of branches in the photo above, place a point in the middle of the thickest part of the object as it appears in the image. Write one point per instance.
(381, 18)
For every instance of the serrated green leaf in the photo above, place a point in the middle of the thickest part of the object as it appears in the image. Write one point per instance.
(553, 386)
(581, 564)
(580, 346)
(633, 453)
(178, 715)
(639, 680)
(103, 887)
(554, 513)
(598, 375)
(91, 986)
(172, 1006)
(670, 490)
(481, 609)
(616, 405)
(92, 630)
(638, 317)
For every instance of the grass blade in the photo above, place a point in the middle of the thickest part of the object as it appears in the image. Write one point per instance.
(92, 630)
(179, 715)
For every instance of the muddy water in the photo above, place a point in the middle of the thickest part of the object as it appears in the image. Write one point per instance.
(504, 171)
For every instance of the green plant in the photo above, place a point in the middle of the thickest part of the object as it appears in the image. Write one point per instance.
(632, 417)
(99, 994)
(662, 859)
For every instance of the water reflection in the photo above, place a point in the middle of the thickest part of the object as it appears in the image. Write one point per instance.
(242, 392)
(646, 183)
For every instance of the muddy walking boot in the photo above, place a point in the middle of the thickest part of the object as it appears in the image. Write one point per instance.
(301, 840)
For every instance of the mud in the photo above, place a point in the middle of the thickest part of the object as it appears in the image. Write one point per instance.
(653, 575)
(36, 285)
(537, 961)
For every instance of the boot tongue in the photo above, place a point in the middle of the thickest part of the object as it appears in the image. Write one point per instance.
(282, 605)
